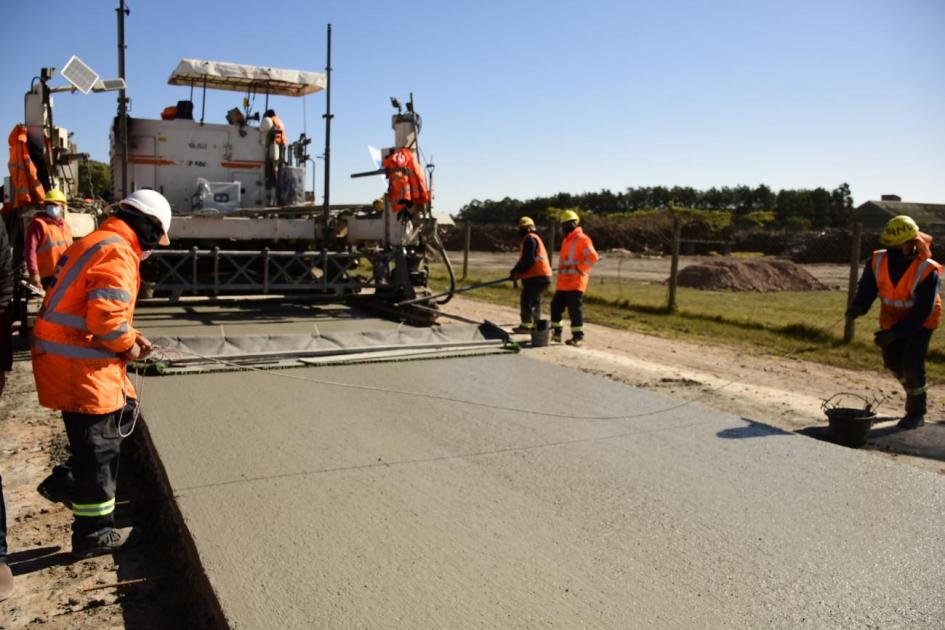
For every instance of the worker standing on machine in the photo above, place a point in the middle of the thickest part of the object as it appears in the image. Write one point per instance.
(82, 341)
(47, 237)
(906, 280)
(274, 137)
(574, 267)
(534, 270)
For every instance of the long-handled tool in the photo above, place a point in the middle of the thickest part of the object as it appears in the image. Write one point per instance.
(427, 298)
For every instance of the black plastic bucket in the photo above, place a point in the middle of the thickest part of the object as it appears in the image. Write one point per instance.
(850, 426)
(541, 335)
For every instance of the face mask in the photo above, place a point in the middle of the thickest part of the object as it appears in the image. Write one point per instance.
(145, 255)
(54, 211)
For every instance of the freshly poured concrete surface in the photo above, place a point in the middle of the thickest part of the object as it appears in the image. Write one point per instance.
(233, 317)
(321, 506)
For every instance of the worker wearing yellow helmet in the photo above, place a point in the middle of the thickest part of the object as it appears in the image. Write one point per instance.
(574, 267)
(906, 280)
(534, 270)
(47, 237)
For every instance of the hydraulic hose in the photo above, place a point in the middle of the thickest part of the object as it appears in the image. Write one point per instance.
(449, 265)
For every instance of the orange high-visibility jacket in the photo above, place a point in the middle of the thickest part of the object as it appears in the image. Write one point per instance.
(575, 261)
(85, 324)
(279, 130)
(541, 267)
(27, 188)
(407, 185)
(55, 238)
(896, 300)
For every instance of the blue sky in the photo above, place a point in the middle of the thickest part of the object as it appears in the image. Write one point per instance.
(527, 98)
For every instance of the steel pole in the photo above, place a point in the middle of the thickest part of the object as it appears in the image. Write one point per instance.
(122, 100)
(327, 117)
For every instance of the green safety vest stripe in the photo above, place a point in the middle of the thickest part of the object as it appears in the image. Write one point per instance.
(94, 509)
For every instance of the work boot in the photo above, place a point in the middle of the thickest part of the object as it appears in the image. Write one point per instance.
(523, 329)
(556, 335)
(102, 542)
(6, 581)
(58, 486)
(575, 341)
(911, 422)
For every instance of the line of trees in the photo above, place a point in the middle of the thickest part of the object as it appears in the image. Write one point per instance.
(798, 209)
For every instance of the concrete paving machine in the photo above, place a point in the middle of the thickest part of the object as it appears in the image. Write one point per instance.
(243, 224)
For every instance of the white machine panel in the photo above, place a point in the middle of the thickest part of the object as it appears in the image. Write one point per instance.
(170, 155)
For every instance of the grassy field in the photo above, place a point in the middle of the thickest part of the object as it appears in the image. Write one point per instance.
(808, 324)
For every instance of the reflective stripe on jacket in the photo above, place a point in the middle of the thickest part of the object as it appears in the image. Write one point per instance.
(27, 189)
(55, 238)
(896, 300)
(85, 324)
(575, 261)
(541, 267)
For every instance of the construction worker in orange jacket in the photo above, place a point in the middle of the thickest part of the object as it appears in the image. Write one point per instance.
(906, 280)
(47, 237)
(574, 267)
(534, 270)
(82, 340)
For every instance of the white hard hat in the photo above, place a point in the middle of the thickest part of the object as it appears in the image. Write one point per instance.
(153, 204)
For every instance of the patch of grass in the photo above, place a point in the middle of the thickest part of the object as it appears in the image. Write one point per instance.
(802, 324)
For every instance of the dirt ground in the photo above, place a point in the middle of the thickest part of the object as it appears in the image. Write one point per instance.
(53, 592)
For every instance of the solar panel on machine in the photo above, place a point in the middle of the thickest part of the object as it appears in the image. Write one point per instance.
(79, 75)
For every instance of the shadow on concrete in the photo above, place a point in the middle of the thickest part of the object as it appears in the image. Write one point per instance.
(927, 441)
(752, 429)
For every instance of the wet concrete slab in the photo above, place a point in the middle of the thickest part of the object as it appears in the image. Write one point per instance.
(243, 317)
(501, 492)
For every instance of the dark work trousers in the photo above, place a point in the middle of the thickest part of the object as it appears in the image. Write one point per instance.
(574, 302)
(530, 305)
(95, 443)
(906, 359)
(3, 526)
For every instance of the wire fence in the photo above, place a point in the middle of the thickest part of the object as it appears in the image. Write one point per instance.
(770, 278)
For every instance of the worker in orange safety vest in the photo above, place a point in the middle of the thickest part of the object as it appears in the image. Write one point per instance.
(574, 266)
(534, 270)
(24, 178)
(407, 186)
(82, 340)
(47, 237)
(906, 280)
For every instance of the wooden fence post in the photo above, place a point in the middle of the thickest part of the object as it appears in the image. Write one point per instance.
(671, 305)
(850, 328)
(551, 246)
(466, 250)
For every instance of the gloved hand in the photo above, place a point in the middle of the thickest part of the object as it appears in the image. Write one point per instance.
(514, 276)
(883, 338)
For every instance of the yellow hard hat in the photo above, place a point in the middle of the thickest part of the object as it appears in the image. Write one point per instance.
(569, 215)
(526, 222)
(898, 231)
(55, 196)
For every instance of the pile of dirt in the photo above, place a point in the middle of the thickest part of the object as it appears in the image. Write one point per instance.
(749, 275)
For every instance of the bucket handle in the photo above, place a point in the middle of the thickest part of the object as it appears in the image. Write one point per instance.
(870, 405)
